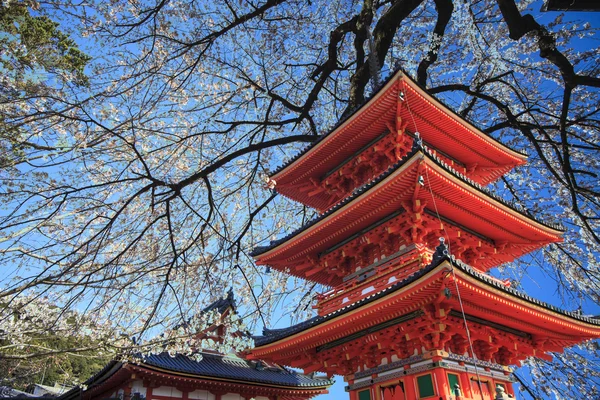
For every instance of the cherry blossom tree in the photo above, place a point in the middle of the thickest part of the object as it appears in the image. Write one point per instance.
(136, 197)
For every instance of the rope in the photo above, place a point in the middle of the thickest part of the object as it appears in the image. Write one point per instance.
(447, 238)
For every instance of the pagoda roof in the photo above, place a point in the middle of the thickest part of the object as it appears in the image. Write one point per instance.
(500, 220)
(437, 124)
(440, 264)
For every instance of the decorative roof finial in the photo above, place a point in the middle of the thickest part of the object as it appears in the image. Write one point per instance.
(417, 143)
(440, 251)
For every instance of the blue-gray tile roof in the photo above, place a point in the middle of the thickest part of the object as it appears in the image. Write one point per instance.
(214, 366)
(222, 304)
(232, 367)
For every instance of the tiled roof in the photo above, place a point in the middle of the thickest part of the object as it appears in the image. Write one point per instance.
(270, 336)
(349, 114)
(232, 367)
(7, 392)
(498, 285)
(213, 366)
(222, 304)
(417, 147)
(98, 377)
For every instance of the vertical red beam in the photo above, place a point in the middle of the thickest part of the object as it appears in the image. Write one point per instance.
(441, 383)
(127, 391)
(465, 385)
(410, 388)
(509, 389)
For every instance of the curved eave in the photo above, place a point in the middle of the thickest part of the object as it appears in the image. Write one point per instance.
(498, 218)
(110, 376)
(343, 138)
(527, 312)
(470, 138)
(176, 375)
(437, 123)
(496, 205)
(535, 313)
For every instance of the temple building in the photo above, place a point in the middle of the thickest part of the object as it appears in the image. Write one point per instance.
(215, 377)
(406, 235)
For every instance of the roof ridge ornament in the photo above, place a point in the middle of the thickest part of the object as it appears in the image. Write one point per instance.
(441, 251)
(417, 143)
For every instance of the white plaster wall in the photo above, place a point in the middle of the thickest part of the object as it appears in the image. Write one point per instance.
(231, 396)
(168, 391)
(367, 290)
(201, 395)
(137, 386)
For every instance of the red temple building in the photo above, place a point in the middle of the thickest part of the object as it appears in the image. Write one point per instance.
(215, 377)
(410, 315)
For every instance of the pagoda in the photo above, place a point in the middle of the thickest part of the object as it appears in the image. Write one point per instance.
(213, 376)
(406, 235)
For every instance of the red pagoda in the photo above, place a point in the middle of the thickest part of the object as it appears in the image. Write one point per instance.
(408, 317)
(213, 377)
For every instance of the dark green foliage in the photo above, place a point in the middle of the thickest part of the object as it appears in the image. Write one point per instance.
(62, 367)
(36, 61)
(35, 44)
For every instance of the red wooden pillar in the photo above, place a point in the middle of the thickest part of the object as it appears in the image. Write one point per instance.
(148, 392)
(409, 388)
(509, 389)
(465, 385)
(491, 387)
(441, 382)
(127, 391)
